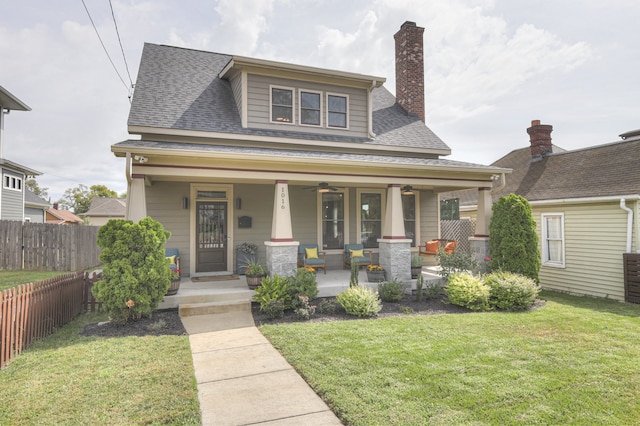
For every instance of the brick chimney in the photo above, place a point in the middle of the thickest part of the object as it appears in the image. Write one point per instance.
(55, 206)
(540, 139)
(410, 69)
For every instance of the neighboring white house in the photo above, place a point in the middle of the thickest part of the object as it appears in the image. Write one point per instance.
(235, 149)
(585, 203)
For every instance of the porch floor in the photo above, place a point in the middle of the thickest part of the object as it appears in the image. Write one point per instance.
(329, 285)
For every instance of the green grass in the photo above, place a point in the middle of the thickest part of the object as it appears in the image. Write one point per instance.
(573, 361)
(9, 279)
(69, 379)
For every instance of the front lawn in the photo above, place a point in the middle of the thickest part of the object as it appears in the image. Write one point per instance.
(572, 361)
(71, 379)
(9, 279)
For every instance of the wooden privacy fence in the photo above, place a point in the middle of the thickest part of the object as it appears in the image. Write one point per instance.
(631, 277)
(32, 311)
(47, 247)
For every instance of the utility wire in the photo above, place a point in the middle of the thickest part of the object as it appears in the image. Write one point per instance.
(104, 48)
(126, 65)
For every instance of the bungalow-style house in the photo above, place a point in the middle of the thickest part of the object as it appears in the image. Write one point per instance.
(12, 194)
(35, 207)
(58, 216)
(237, 150)
(585, 203)
(103, 209)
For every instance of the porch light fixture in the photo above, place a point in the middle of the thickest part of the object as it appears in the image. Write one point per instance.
(407, 190)
(323, 190)
(185, 203)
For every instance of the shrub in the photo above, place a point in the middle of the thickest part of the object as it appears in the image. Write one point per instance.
(360, 301)
(272, 289)
(273, 308)
(451, 263)
(513, 238)
(419, 287)
(391, 291)
(433, 289)
(466, 290)
(355, 272)
(304, 311)
(136, 273)
(326, 306)
(303, 283)
(511, 292)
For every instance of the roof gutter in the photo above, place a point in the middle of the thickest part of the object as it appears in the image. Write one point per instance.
(503, 183)
(629, 223)
(585, 200)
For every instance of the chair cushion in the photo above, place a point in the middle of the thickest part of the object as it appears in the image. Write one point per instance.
(312, 253)
(356, 253)
(432, 246)
(172, 260)
(450, 247)
(316, 261)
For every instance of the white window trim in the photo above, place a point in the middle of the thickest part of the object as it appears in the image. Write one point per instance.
(383, 208)
(345, 193)
(293, 104)
(543, 241)
(342, 95)
(15, 183)
(315, 92)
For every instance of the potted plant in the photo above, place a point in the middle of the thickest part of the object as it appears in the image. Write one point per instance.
(175, 282)
(245, 252)
(416, 266)
(375, 273)
(255, 272)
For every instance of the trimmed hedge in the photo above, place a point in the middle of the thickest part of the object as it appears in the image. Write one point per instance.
(511, 292)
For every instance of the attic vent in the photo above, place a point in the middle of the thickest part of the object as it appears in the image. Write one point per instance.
(630, 134)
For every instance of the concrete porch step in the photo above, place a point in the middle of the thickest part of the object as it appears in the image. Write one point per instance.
(209, 308)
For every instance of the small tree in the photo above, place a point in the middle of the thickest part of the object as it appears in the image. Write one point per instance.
(513, 238)
(136, 273)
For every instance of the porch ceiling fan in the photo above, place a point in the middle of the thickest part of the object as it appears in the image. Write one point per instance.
(324, 187)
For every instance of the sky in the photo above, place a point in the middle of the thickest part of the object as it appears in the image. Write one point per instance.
(491, 67)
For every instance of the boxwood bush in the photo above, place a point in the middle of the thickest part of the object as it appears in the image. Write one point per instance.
(467, 290)
(511, 292)
(391, 291)
(360, 301)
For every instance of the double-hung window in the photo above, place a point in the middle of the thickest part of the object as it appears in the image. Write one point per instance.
(333, 214)
(370, 218)
(282, 105)
(310, 108)
(553, 239)
(337, 110)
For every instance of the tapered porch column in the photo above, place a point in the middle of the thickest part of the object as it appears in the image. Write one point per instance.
(282, 251)
(395, 247)
(479, 243)
(136, 199)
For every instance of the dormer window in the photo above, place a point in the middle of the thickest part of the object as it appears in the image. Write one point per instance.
(310, 108)
(282, 105)
(337, 107)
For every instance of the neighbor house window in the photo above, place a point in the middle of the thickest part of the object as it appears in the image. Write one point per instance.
(370, 219)
(333, 213)
(409, 212)
(12, 182)
(282, 105)
(337, 107)
(553, 239)
(310, 107)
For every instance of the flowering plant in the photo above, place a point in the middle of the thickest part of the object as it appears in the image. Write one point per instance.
(374, 268)
(310, 269)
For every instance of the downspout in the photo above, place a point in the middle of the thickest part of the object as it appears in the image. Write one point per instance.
(127, 173)
(629, 223)
(370, 107)
(503, 183)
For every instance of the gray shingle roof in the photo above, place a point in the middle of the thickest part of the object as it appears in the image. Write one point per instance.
(180, 88)
(107, 207)
(598, 171)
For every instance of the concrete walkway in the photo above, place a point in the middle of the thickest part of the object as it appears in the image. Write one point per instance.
(243, 380)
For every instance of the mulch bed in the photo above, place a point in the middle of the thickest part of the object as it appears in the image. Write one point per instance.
(160, 323)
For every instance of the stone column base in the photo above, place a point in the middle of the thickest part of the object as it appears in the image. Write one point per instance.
(395, 258)
(480, 251)
(282, 257)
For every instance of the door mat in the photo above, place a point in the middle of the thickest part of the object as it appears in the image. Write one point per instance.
(215, 278)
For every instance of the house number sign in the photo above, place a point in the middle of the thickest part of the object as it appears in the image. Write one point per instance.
(283, 198)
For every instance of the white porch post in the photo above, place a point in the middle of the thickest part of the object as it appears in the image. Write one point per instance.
(282, 251)
(479, 243)
(136, 199)
(395, 247)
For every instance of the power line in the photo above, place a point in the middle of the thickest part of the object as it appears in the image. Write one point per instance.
(104, 48)
(126, 65)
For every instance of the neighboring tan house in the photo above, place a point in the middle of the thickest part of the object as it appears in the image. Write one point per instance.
(12, 193)
(235, 149)
(585, 203)
(35, 208)
(104, 209)
(62, 217)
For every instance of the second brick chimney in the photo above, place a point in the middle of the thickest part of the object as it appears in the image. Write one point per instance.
(410, 69)
(540, 139)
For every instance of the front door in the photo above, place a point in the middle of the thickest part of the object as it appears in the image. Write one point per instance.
(211, 231)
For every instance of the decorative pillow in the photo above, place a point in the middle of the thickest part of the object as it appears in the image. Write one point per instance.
(432, 246)
(312, 253)
(172, 260)
(356, 253)
(450, 247)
